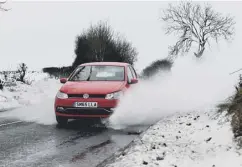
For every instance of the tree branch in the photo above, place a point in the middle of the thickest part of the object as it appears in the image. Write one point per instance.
(195, 24)
(1, 4)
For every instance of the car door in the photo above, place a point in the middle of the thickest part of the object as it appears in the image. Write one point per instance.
(131, 74)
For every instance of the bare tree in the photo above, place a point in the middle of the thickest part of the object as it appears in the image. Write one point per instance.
(1, 6)
(99, 37)
(196, 25)
(22, 69)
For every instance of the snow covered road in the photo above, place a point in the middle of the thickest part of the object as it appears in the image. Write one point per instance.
(196, 139)
(29, 144)
(29, 135)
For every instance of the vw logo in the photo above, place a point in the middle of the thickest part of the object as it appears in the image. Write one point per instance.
(85, 96)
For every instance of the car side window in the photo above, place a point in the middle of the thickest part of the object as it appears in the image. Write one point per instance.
(130, 75)
(133, 72)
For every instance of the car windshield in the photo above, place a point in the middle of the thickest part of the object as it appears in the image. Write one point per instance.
(98, 73)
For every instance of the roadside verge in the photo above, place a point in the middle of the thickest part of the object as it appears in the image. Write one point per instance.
(187, 139)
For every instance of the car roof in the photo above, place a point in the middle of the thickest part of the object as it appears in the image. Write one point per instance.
(106, 63)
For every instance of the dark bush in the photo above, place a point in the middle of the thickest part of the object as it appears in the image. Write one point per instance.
(157, 66)
(99, 43)
(233, 105)
(58, 72)
(1, 84)
(22, 69)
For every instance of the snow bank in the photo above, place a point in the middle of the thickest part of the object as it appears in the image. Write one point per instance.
(34, 102)
(183, 140)
(19, 94)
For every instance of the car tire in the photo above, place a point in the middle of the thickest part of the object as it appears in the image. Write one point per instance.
(62, 121)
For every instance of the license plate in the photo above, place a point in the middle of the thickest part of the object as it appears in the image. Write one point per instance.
(86, 104)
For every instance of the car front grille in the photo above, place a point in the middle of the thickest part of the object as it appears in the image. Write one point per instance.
(85, 111)
(90, 96)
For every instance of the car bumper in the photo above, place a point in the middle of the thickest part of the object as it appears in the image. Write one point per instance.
(64, 108)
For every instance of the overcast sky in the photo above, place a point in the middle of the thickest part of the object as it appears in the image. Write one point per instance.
(43, 33)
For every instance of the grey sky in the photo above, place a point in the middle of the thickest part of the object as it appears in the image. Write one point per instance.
(43, 33)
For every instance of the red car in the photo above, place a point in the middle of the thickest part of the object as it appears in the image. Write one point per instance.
(93, 90)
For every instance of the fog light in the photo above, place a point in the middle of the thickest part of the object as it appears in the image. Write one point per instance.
(60, 109)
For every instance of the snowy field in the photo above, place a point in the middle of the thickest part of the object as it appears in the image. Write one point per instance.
(195, 139)
(19, 94)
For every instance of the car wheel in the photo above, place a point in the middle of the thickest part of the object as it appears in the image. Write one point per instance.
(61, 121)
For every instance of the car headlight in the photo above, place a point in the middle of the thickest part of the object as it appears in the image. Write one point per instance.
(61, 95)
(114, 95)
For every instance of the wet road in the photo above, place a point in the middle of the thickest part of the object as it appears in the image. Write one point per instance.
(29, 144)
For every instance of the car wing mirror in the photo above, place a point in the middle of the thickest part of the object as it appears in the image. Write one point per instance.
(134, 81)
(63, 80)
